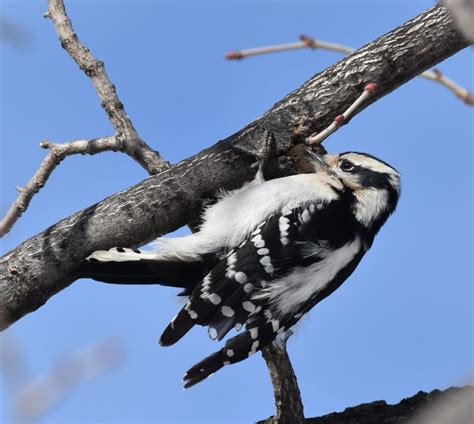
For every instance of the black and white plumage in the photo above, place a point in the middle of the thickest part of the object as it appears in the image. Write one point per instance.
(265, 253)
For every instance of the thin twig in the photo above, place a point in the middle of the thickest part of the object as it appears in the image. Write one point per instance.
(308, 42)
(436, 75)
(95, 70)
(126, 139)
(318, 138)
(303, 44)
(56, 154)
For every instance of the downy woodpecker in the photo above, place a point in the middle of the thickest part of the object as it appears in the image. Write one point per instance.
(265, 254)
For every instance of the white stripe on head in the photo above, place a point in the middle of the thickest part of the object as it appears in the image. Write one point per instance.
(374, 164)
(369, 162)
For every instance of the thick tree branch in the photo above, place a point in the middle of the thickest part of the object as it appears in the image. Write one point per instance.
(453, 405)
(289, 407)
(47, 263)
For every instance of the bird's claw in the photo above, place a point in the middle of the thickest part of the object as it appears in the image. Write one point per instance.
(282, 339)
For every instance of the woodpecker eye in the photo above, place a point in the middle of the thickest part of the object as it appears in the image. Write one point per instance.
(346, 166)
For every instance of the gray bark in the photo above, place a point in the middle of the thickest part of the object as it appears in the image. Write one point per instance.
(450, 406)
(47, 263)
(289, 406)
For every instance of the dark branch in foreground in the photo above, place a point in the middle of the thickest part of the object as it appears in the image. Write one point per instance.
(285, 387)
(379, 412)
(47, 263)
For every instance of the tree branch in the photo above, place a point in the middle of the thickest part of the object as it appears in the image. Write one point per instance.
(57, 153)
(47, 263)
(436, 75)
(133, 145)
(304, 43)
(453, 405)
(289, 407)
(308, 42)
(126, 139)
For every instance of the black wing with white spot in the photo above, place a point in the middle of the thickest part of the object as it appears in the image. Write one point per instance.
(222, 300)
(230, 296)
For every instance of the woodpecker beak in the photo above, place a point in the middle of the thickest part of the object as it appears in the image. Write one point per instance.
(331, 161)
(319, 162)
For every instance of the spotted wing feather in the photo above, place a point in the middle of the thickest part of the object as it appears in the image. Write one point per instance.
(222, 299)
(234, 293)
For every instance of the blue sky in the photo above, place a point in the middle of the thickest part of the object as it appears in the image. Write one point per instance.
(401, 323)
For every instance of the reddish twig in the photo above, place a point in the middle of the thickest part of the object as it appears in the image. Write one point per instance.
(318, 138)
(303, 44)
(308, 42)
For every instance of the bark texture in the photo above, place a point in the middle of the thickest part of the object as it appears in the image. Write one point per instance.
(47, 263)
(407, 411)
(289, 406)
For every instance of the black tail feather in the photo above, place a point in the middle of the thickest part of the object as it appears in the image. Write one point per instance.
(235, 350)
(145, 271)
(204, 369)
(177, 328)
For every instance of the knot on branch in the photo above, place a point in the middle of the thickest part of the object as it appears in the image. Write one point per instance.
(309, 41)
(91, 69)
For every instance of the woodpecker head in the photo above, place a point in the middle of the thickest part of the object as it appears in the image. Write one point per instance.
(374, 185)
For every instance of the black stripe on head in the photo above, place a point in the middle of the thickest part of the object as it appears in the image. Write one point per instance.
(379, 178)
(370, 178)
(380, 181)
(365, 173)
